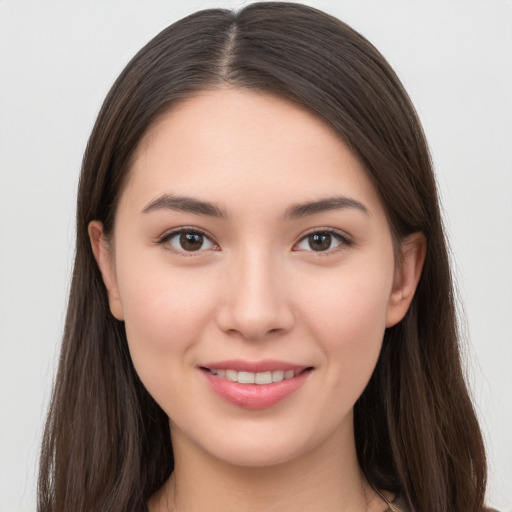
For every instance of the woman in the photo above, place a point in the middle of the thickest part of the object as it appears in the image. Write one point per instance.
(261, 314)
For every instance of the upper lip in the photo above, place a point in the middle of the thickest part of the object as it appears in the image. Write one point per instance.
(267, 365)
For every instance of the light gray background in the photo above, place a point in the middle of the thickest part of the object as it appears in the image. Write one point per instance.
(57, 61)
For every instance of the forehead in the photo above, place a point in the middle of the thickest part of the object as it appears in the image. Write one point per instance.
(232, 144)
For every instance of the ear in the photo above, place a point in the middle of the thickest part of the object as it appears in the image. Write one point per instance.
(406, 278)
(104, 259)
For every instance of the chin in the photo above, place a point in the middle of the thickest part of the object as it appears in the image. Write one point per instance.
(259, 456)
(264, 447)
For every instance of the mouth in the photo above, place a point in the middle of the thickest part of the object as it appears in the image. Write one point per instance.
(255, 385)
(258, 378)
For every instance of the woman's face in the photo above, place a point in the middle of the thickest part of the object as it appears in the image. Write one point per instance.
(253, 266)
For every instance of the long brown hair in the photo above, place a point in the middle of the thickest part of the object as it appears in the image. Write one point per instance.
(106, 445)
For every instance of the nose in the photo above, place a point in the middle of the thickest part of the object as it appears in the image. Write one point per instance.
(255, 300)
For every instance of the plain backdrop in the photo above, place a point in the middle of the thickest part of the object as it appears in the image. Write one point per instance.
(57, 61)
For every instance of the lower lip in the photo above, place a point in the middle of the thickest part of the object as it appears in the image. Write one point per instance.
(255, 396)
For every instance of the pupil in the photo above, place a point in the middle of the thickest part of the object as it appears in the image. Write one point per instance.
(320, 241)
(191, 241)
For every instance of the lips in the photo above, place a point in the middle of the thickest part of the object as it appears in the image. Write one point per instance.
(254, 385)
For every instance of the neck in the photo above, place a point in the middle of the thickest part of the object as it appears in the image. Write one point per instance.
(327, 478)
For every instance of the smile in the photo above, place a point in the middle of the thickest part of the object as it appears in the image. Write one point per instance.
(255, 385)
(259, 378)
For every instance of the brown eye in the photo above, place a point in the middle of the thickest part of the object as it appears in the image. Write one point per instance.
(322, 241)
(189, 241)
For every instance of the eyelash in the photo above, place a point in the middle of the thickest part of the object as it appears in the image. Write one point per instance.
(167, 237)
(342, 239)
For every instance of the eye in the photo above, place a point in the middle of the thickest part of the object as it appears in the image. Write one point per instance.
(321, 241)
(188, 240)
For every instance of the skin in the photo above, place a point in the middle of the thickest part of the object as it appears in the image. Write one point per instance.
(256, 291)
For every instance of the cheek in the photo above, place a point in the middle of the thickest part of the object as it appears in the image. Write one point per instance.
(350, 300)
(348, 320)
(166, 312)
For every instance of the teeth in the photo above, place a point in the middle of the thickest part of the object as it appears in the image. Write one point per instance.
(232, 375)
(263, 378)
(277, 376)
(255, 378)
(246, 377)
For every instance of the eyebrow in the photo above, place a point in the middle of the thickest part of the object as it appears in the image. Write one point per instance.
(185, 204)
(323, 205)
(195, 206)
